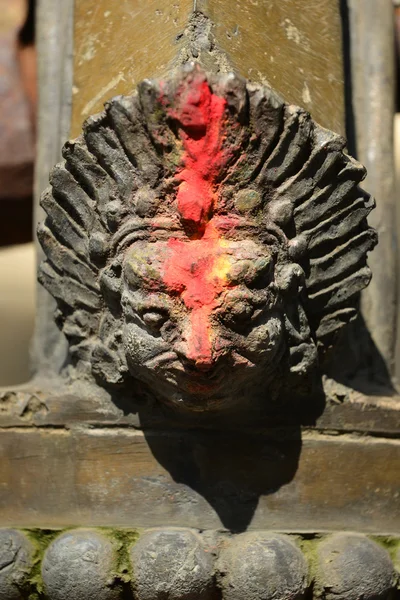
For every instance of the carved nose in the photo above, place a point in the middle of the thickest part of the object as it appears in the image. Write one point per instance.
(196, 362)
(195, 348)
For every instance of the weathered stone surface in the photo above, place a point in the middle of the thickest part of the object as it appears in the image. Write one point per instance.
(202, 228)
(397, 559)
(183, 563)
(79, 565)
(16, 562)
(350, 567)
(171, 563)
(347, 410)
(372, 80)
(262, 566)
(53, 41)
(294, 45)
(203, 480)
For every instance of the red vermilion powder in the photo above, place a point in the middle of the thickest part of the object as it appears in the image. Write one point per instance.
(197, 271)
(200, 114)
(196, 268)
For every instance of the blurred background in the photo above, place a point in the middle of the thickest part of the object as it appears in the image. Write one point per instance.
(18, 97)
(18, 102)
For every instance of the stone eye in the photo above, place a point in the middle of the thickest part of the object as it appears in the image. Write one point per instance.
(238, 313)
(154, 319)
(242, 310)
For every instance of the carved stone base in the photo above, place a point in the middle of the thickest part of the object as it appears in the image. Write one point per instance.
(182, 563)
(70, 461)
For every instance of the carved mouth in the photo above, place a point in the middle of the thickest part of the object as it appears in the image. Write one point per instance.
(198, 381)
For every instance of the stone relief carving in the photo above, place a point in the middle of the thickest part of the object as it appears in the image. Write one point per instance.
(207, 239)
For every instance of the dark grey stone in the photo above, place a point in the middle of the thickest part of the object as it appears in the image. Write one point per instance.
(350, 567)
(16, 560)
(78, 565)
(171, 563)
(124, 293)
(262, 566)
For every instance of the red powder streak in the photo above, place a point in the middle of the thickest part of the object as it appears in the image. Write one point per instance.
(193, 267)
(195, 270)
(200, 114)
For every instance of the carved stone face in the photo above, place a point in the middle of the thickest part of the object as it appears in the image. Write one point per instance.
(203, 317)
(205, 238)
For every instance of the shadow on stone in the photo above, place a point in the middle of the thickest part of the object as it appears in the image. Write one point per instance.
(230, 471)
(357, 363)
(232, 458)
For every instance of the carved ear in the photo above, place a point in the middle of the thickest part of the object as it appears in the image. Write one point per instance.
(290, 279)
(107, 356)
(303, 358)
(303, 355)
(107, 365)
(110, 285)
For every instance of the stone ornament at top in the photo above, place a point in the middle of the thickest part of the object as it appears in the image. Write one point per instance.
(206, 239)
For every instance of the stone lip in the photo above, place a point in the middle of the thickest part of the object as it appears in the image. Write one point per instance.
(182, 563)
(55, 404)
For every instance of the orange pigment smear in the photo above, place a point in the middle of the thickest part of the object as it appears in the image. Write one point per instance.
(196, 268)
(200, 114)
(197, 271)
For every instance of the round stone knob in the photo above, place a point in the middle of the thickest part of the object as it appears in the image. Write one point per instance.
(79, 565)
(16, 560)
(173, 564)
(262, 566)
(350, 567)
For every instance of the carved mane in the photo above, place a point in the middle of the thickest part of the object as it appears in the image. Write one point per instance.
(105, 194)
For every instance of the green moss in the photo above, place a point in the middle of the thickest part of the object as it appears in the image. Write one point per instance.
(122, 540)
(246, 200)
(32, 588)
(157, 115)
(174, 157)
(308, 545)
(390, 544)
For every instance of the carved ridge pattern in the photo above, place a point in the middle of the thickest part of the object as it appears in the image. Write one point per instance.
(211, 180)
